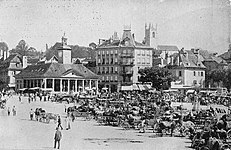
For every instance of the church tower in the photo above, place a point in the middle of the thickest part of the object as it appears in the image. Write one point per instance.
(151, 35)
(64, 52)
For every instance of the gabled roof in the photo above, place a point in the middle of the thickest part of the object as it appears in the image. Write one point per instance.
(226, 55)
(11, 59)
(55, 70)
(126, 40)
(187, 59)
(167, 48)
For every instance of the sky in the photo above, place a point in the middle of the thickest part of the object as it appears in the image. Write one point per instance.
(190, 24)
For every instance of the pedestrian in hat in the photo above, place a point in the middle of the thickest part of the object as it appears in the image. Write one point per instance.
(57, 138)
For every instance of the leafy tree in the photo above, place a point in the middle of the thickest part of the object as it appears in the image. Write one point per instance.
(22, 47)
(217, 76)
(227, 79)
(161, 78)
(3, 46)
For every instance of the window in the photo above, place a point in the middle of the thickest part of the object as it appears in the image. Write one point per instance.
(138, 61)
(153, 34)
(111, 78)
(116, 60)
(116, 69)
(180, 74)
(198, 73)
(112, 70)
(115, 51)
(99, 61)
(138, 52)
(143, 52)
(202, 74)
(143, 62)
(194, 73)
(115, 78)
(99, 52)
(148, 60)
(103, 52)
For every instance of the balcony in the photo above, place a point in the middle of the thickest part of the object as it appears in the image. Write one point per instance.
(127, 55)
(126, 72)
(127, 63)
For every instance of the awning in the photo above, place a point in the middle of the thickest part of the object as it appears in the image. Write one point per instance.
(141, 87)
(135, 87)
(126, 88)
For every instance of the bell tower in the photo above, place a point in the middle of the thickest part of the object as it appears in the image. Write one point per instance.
(64, 52)
(151, 35)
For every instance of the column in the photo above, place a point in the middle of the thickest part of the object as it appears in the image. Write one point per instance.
(83, 87)
(53, 84)
(45, 83)
(90, 84)
(76, 81)
(96, 85)
(68, 85)
(61, 85)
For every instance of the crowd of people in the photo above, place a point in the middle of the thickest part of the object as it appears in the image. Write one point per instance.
(138, 109)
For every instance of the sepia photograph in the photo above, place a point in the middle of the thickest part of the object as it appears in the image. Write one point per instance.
(115, 74)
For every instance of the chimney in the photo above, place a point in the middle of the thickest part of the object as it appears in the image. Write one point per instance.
(24, 61)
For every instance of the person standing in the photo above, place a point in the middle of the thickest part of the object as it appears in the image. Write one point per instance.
(8, 111)
(20, 98)
(14, 111)
(31, 114)
(58, 137)
(59, 123)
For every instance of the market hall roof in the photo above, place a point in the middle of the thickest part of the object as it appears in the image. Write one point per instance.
(56, 70)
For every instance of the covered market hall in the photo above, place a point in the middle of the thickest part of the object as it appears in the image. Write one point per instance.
(58, 78)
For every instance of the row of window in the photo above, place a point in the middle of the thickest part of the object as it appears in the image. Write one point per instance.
(109, 78)
(144, 52)
(107, 61)
(107, 70)
(143, 60)
(199, 73)
(126, 51)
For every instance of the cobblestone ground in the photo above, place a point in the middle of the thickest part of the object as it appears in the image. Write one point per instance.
(18, 132)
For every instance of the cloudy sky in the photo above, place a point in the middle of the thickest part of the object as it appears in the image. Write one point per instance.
(185, 23)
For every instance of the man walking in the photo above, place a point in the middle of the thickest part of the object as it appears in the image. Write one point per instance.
(59, 123)
(58, 136)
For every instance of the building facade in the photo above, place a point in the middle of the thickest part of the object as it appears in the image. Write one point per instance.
(59, 76)
(187, 66)
(9, 67)
(119, 60)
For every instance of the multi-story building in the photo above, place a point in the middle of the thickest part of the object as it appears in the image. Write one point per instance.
(9, 67)
(188, 67)
(119, 60)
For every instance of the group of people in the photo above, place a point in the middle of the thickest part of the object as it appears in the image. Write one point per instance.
(13, 111)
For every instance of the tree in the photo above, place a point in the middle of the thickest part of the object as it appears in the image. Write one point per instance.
(227, 79)
(3, 46)
(161, 78)
(22, 47)
(217, 76)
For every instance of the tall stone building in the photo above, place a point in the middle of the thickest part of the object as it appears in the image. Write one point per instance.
(118, 60)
